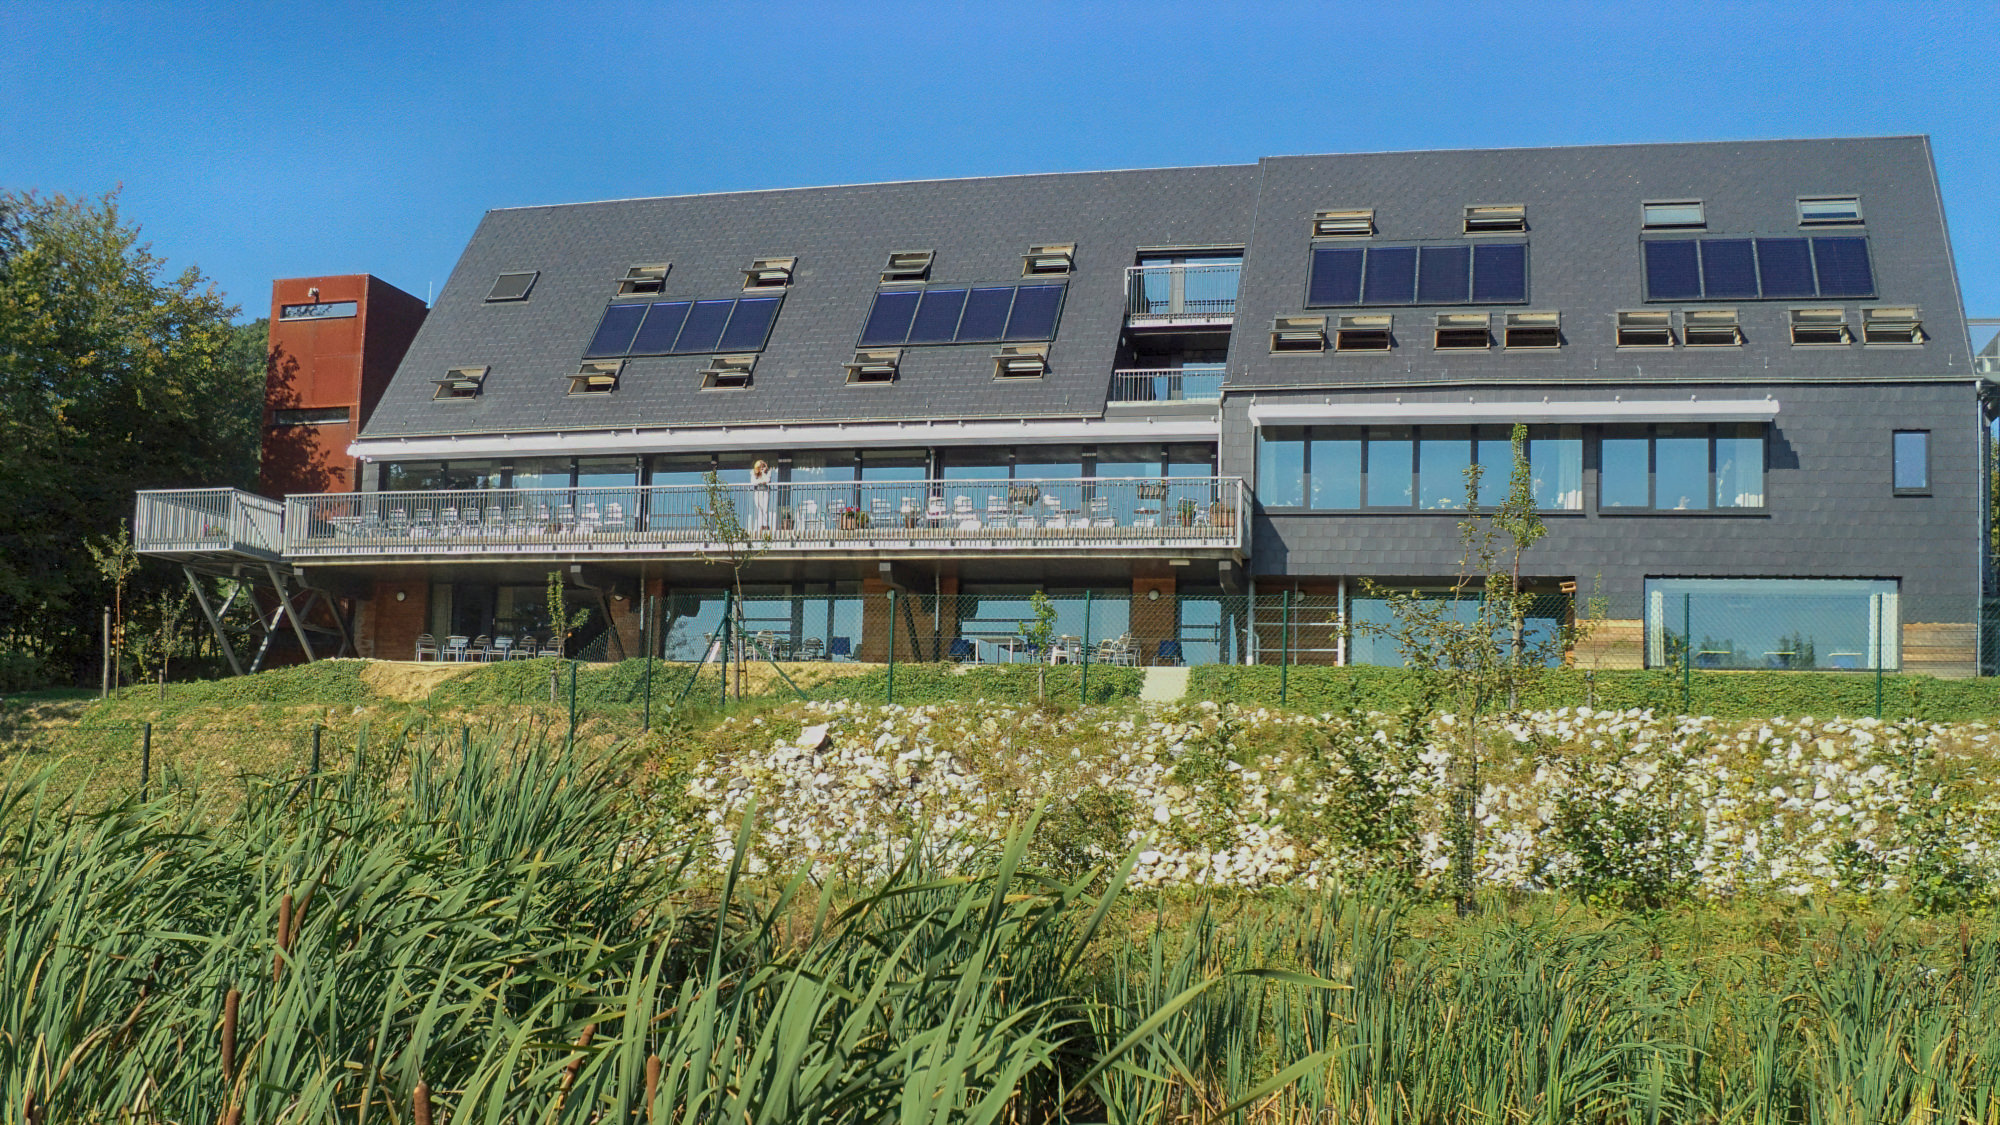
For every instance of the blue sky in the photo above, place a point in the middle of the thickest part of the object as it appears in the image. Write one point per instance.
(262, 141)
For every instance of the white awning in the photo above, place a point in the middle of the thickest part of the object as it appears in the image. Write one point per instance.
(860, 435)
(1438, 412)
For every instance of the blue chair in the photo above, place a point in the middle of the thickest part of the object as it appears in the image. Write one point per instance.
(1169, 653)
(962, 650)
(838, 646)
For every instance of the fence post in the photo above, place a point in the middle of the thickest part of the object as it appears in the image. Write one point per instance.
(1083, 691)
(1285, 648)
(572, 706)
(464, 740)
(315, 751)
(1880, 644)
(104, 684)
(650, 638)
(1687, 652)
(145, 757)
(892, 645)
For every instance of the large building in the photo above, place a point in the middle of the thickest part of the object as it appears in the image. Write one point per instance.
(1743, 368)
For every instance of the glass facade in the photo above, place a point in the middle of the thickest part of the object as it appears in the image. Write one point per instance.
(1746, 623)
(1681, 467)
(1358, 468)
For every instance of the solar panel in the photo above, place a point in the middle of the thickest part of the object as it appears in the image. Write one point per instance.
(1336, 277)
(1035, 309)
(1444, 275)
(1728, 268)
(1391, 276)
(663, 323)
(750, 324)
(1500, 272)
(889, 320)
(614, 332)
(1673, 271)
(703, 330)
(986, 314)
(1842, 265)
(1786, 267)
(937, 316)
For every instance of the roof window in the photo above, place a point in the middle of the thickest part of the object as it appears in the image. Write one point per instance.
(1645, 328)
(1298, 334)
(644, 281)
(1364, 332)
(1829, 210)
(317, 416)
(1533, 330)
(1464, 332)
(513, 286)
(1352, 222)
(460, 382)
(1489, 218)
(1821, 327)
(1055, 258)
(598, 377)
(728, 373)
(1021, 361)
(874, 367)
(1891, 326)
(1673, 214)
(908, 265)
(769, 273)
(1711, 328)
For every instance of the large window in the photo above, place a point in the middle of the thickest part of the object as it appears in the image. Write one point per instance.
(1772, 623)
(1912, 450)
(1349, 468)
(1372, 616)
(1712, 269)
(1681, 467)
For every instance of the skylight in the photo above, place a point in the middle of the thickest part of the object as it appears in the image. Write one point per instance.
(513, 286)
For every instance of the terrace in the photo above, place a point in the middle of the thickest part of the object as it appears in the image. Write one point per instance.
(1176, 515)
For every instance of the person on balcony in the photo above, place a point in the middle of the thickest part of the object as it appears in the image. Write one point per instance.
(760, 495)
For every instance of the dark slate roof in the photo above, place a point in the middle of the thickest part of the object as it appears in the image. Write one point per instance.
(842, 236)
(1583, 214)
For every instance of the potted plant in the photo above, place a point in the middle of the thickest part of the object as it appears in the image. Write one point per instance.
(1152, 490)
(1186, 509)
(1221, 515)
(852, 518)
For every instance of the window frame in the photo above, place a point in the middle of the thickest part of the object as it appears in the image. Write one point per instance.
(1900, 489)
(1859, 219)
(1475, 434)
(1647, 205)
(527, 290)
(292, 416)
(644, 279)
(1652, 436)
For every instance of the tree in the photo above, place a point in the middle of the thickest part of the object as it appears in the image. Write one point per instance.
(563, 622)
(1039, 637)
(1471, 648)
(116, 560)
(735, 547)
(114, 376)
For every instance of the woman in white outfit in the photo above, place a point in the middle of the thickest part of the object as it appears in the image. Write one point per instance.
(760, 495)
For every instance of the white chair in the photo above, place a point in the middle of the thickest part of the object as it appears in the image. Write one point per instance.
(587, 522)
(454, 648)
(426, 646)
(809, 517)
(614, 514)
(878, 511)
(503, 648)
(962, 510)
(934, 511)
(997, 514)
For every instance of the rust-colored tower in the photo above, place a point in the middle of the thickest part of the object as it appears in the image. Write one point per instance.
(335, 341)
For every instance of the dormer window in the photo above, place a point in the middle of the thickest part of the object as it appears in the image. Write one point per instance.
(769, 273)
(643, 281)
(1021, 361)
(596, 378)
(1298, 334)
(1364, 332)
(1350, 222)
(513, 286)
(1711, 328)
(1829, 210)
(907, 265)
(1891, 326)
(460, 382)
(1533, 330)
(1055, 259)
(1821, 327)
(1464, 332)
(1494, 218)
(873, 368)
(728, 373)
(1645, 328)
(1673, 214)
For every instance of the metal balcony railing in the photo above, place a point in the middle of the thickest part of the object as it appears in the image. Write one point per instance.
(973, 515)
(1186, 294)
(1191, 383)
(197, 521)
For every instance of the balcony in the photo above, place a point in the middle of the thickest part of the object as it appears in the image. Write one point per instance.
(1176, 296)
(200, 523)
(1188, 383)
(1175, 516)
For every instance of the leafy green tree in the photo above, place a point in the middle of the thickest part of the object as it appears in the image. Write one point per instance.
(114, 376)
(734, 546)
(1039, 637)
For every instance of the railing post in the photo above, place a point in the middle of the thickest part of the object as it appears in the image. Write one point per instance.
(1285, 649)
(1880, 644)
(1687, 652)
(1083, 690)
(892, 645)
